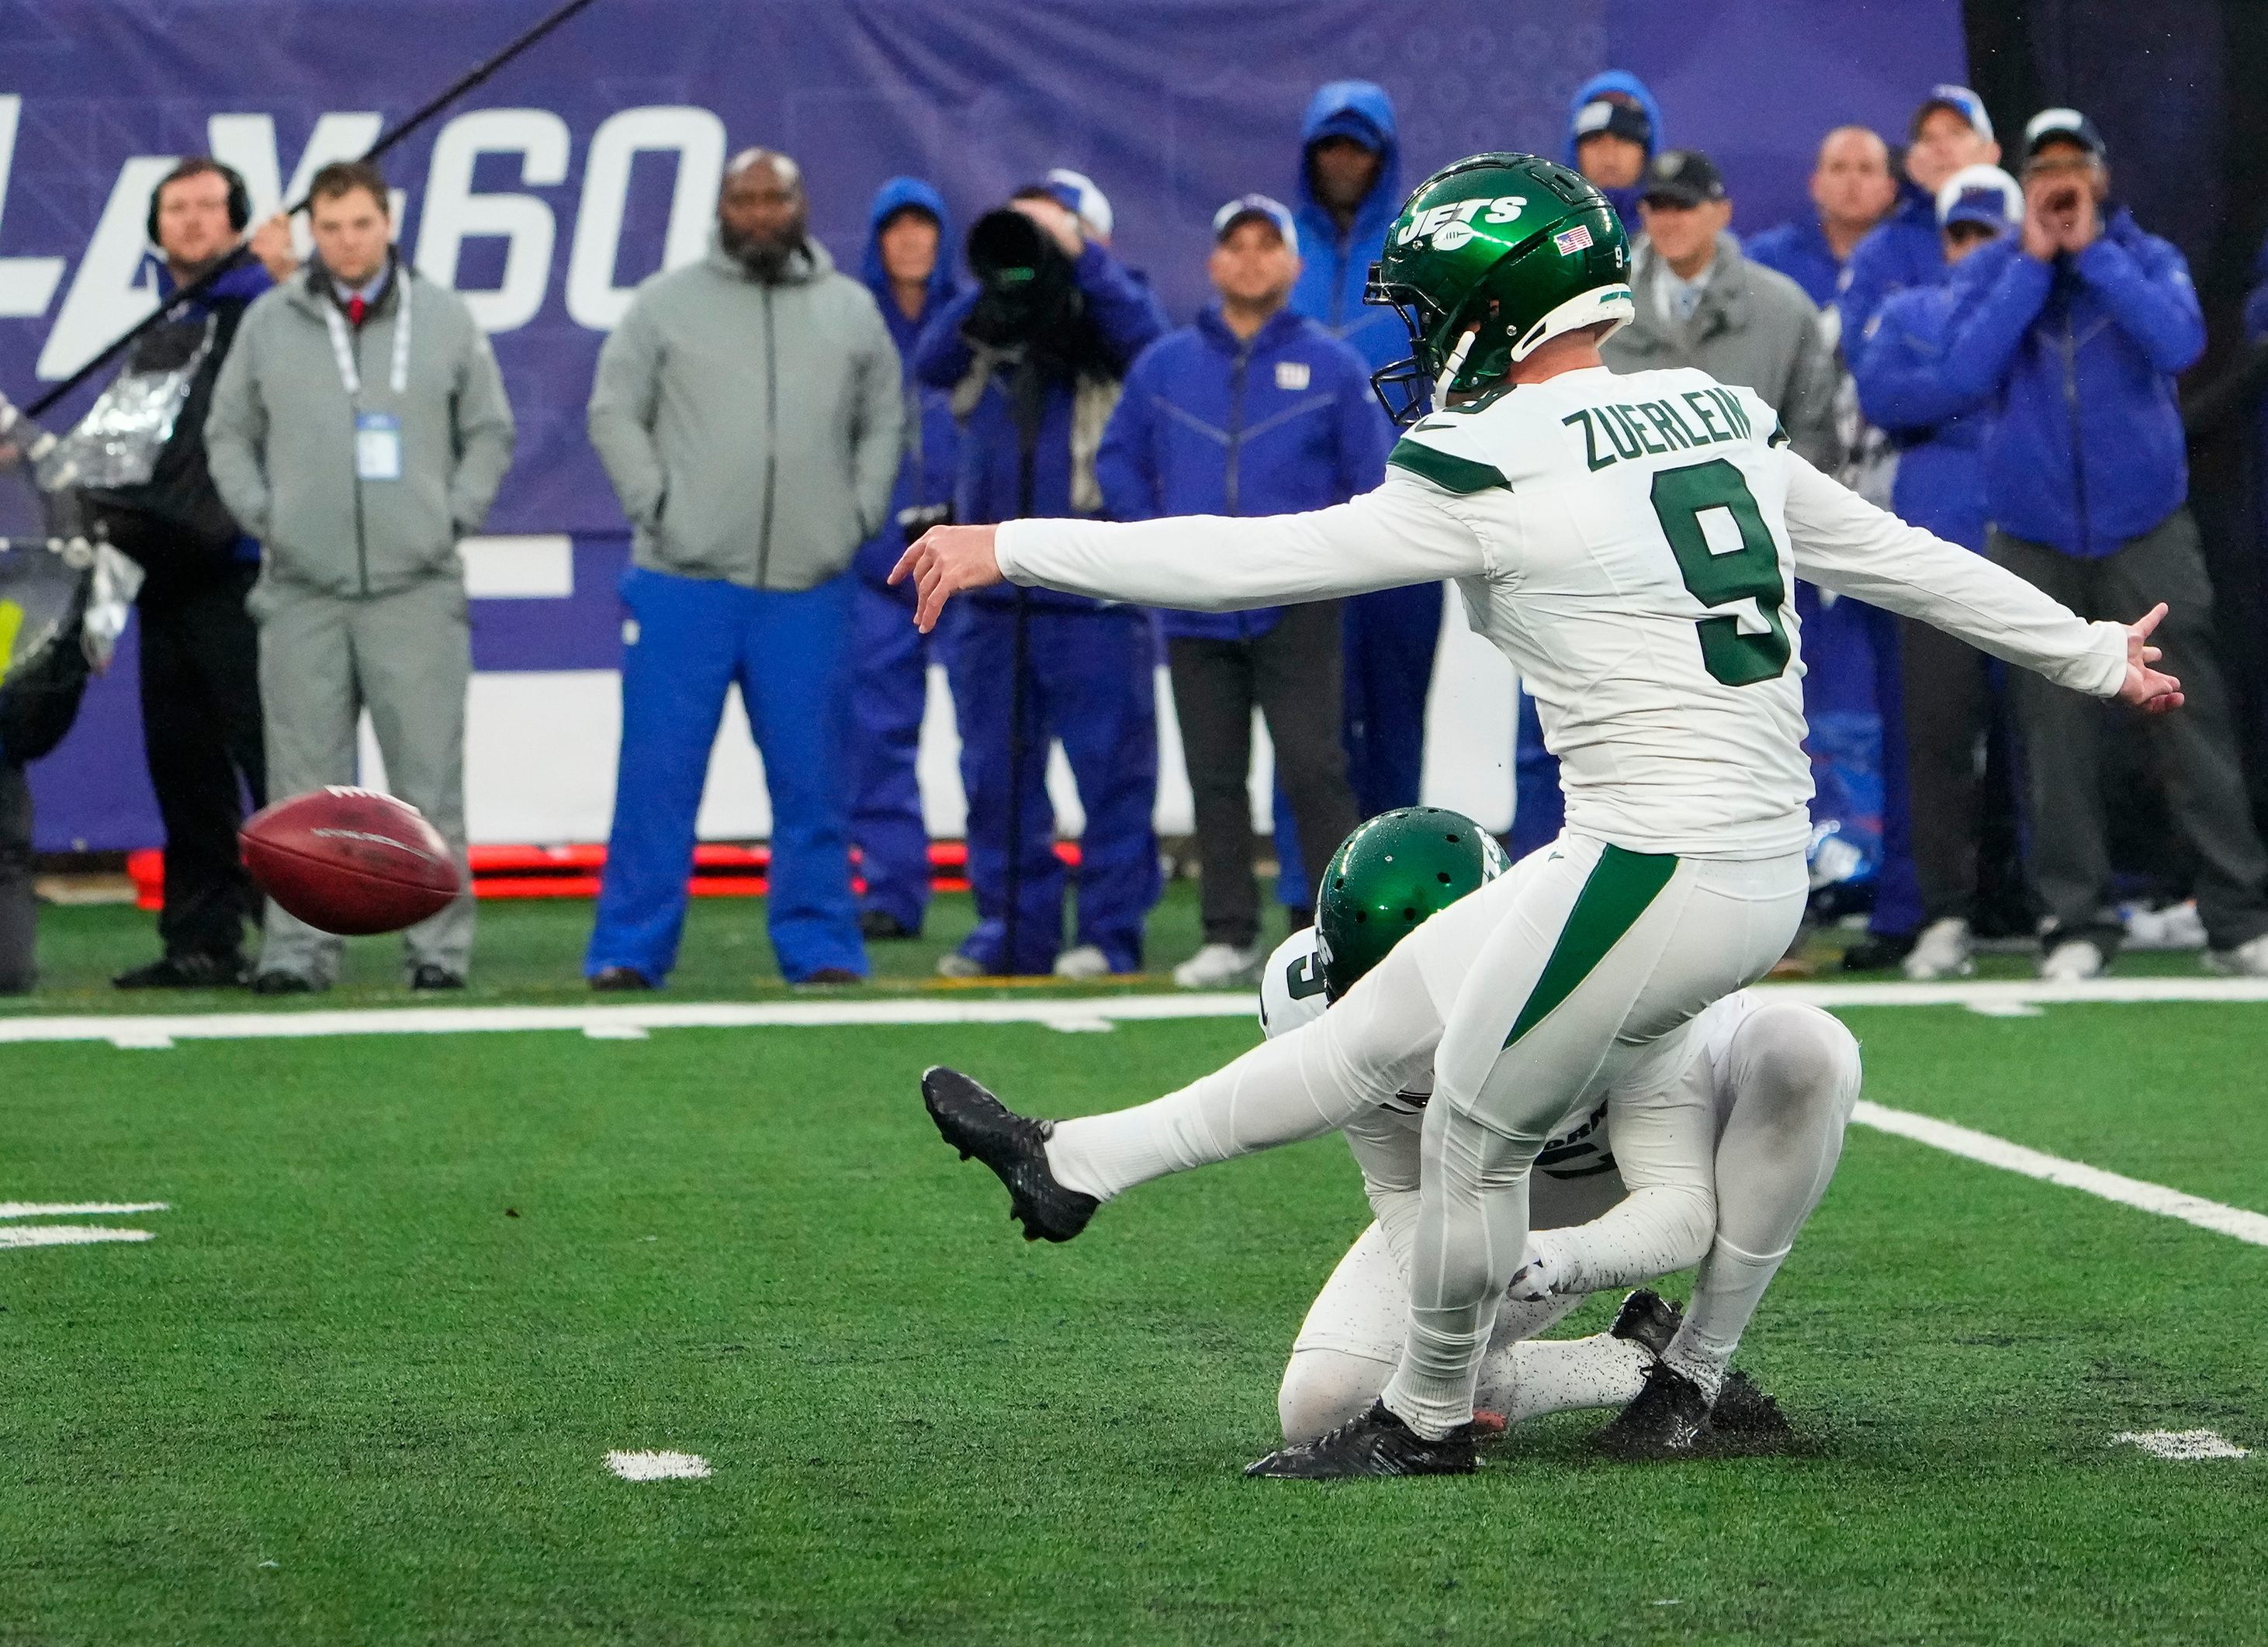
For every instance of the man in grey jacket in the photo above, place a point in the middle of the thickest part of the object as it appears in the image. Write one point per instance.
(1701, 304)
(748, 411)
(358, 431)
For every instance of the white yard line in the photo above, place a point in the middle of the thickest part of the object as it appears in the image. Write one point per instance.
(2014, 1158)
(67, 1208)
(65, 1235)
(2016, 998)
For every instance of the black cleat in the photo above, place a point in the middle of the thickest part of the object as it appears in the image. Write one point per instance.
(1015, 1146)
(1666, 1419)
(194, 970)
(1646, 1317)
(1376, 1443)
(1745, 1417)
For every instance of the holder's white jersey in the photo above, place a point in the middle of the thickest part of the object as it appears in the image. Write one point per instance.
(1630, 543)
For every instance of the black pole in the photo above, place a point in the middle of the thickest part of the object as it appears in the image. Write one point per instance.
(237, 258)
(1028, 393)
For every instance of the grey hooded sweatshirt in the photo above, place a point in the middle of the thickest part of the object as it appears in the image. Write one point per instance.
(751, 429)
(280, 440)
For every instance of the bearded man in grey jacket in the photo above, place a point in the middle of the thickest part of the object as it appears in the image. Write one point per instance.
(747, 410)
(358, 431)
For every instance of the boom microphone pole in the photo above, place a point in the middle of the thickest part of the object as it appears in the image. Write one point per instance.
(235, 259)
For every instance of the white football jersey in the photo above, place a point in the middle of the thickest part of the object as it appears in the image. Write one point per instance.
(1629, 543)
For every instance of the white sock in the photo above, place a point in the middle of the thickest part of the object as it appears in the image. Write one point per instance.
(1731, 1283)
(1302, 1084)
(1526, 1380)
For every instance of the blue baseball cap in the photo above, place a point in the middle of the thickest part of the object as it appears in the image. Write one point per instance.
(2061, 125)
(1350, 123)
(1983, 195)
(1246, 206)
(1961, 101)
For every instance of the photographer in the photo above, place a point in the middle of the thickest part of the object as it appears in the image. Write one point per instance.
(2077, 327)
(1034, 356)
(200, 659)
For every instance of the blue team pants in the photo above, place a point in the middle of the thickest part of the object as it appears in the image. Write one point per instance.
(1539, 807)
(1391, 637)
(1897, 888)
(1089, 680)
(789, 653)
(886, 702)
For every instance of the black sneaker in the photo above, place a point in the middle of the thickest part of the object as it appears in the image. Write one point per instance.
(1666, 1420)
(1376, 1443)
(880, 926)
(619, 981)
(1647, 1318)
(1879, 952)
(1015, 1146)
(192, 971)
(1745, 1416)
(428, 975)
(282, 983)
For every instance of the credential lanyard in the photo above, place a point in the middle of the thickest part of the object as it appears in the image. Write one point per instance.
(342, 346)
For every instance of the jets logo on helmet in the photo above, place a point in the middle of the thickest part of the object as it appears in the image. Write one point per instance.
(1488, 260)
(1451, 226)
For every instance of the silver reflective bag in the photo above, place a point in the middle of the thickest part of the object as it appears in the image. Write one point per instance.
(117, 443)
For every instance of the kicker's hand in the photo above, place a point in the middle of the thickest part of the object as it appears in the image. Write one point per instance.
(943, 561)
(2145, 687)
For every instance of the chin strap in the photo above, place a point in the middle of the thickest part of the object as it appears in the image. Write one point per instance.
(1456, 364)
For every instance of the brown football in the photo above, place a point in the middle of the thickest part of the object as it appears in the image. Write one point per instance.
(350, 861)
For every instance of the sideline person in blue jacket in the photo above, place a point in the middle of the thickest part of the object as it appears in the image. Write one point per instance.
(1950, 130)
(1253, 410)
(1089, 669)
(1945, 698)
(908, 268)
(2078, 328)
(1350, 188)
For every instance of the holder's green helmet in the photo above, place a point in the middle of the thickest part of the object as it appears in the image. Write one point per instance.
(1389, 875)
(1519, 246)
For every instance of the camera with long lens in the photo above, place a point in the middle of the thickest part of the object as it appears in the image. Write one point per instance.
(1028, 292)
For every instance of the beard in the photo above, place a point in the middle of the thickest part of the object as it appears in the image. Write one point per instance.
(764, 256)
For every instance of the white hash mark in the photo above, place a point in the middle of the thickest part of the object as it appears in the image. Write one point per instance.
(657, 1466)
(2183, 1444)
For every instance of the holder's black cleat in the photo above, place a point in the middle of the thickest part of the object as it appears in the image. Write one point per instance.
(1376, 1443)
(1015, 1146)
(1646, 1317)
(1667, 1419)
(1745, 1419)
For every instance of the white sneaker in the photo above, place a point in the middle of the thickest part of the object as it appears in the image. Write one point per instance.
(1084, 962)
(2246, 960)
(953, 964)
(1218, 966)
(1941, 952)
(2070, 961)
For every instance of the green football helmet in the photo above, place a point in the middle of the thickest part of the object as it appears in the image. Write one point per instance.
(1388, 876)
(1488, 259)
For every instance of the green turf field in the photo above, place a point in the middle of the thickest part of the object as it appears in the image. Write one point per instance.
(410, 1290)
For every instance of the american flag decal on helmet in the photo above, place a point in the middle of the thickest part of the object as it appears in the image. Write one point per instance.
(1570, 241)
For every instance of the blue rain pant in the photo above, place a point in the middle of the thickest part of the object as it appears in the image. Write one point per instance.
(886, 702)
(790, 655)
(1391, 637)
(1089, 682)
